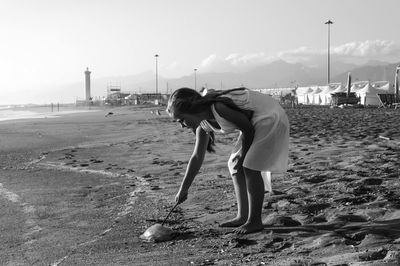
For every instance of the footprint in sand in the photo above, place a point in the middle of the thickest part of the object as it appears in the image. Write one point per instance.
(363, 190)
(314, 179)
(372, 181)
(96, 161)
(350, 218)
(322, 264)
(275, 220)
(68, 155)
(278, 244)
(355, 239)
(357, 200)
(363, 173)
(241, 242)
(316, 208)
(319, 219)
(373, 255)
(394, 198)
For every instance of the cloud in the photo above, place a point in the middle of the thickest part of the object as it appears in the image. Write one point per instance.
(172, 66)
(235, 62)
(249, 59)
(301, 54)
(172, 70)
(214, 63)
(367, 48)
(352, 52)
(209, 60)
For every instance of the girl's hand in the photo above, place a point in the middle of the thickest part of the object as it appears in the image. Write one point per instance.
(238, 159)
(181, 196)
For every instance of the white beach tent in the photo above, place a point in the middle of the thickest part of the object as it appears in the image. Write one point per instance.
(368, 93)
(316, 95)
(319, 95)
(337, 87)
(383, 85)
(303, 95)
(326, 94)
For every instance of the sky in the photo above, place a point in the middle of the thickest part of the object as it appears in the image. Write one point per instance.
(49, 43)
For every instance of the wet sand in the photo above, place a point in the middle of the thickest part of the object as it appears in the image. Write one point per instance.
(80, 189)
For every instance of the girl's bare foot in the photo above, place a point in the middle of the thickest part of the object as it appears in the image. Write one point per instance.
(235, 222)
(248, 228)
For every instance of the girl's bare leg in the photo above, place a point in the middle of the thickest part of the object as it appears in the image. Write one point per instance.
(239, 182)
(255, 192)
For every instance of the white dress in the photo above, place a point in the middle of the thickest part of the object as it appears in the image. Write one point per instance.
(270, 148)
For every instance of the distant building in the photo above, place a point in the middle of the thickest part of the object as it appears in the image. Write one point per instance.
(117, 98)
(87, 85)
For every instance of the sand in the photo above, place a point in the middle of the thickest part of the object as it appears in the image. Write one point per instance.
(81, 188)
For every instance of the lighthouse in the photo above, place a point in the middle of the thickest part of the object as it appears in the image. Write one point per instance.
(87, 84)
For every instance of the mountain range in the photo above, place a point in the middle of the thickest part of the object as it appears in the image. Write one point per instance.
(274, 75)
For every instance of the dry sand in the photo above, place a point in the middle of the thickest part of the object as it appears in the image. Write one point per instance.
(80, 189)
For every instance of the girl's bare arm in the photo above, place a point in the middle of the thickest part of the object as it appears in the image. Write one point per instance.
(196, 159)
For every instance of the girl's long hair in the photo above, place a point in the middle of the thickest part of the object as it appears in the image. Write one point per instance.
(189, 101)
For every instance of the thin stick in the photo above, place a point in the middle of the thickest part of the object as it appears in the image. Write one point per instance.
(176, 204)
(382, 137)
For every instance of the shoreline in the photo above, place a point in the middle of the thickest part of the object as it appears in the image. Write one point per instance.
(83, 187)
(12, 114)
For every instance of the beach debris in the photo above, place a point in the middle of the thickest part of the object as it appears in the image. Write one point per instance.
(109, 113)
(158, 233)
(383, 137)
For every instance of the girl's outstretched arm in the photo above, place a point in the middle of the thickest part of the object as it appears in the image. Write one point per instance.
(195, 162)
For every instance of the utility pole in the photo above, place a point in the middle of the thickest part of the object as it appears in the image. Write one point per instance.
(329, 22)
(156, 56)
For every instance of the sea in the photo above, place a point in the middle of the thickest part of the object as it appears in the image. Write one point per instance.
(15, 112)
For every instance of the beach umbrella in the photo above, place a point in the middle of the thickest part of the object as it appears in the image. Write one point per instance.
(348, 84)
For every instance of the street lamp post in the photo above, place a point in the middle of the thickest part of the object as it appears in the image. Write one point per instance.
(195, 79)
(156, 56)
(329, 22)
(396, 84)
